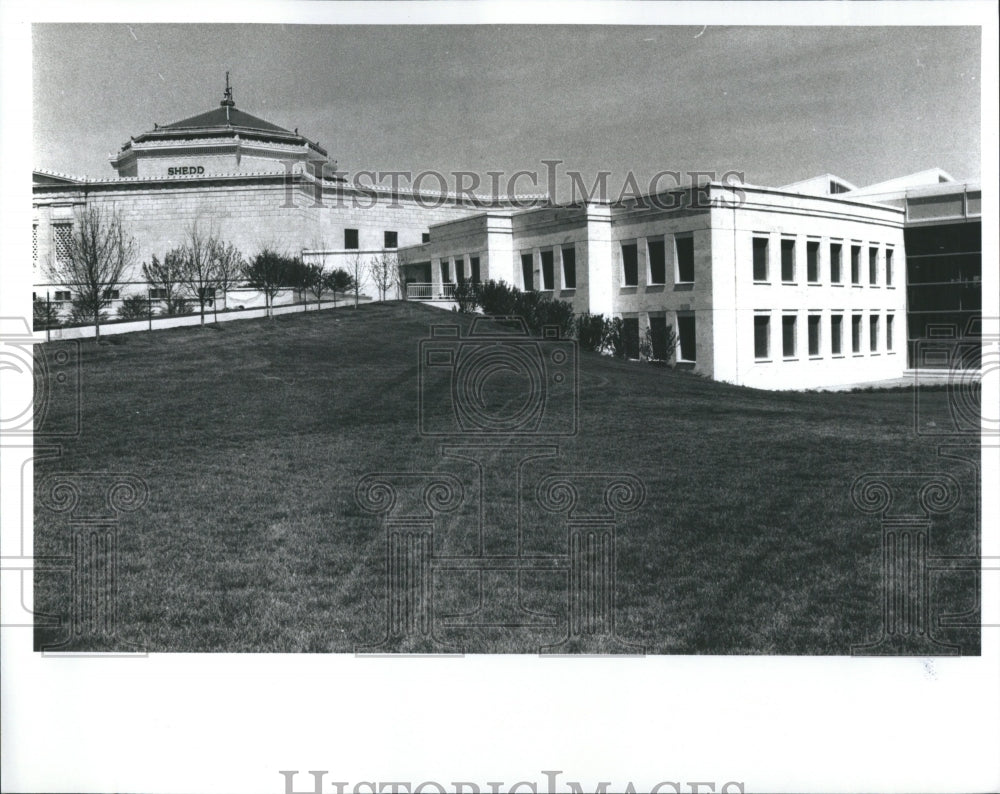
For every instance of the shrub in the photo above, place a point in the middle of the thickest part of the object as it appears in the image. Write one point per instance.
(134, 307)
(496, 298)
(466, 296)
(177, 305)
(614, 337)
(81, 314)
(590, 331)
(45, 315)
(551, 312)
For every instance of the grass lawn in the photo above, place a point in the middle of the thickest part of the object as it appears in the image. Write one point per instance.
(252, 437)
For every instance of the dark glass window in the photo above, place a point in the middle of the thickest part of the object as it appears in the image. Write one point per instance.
(685, 259)
(630, 264)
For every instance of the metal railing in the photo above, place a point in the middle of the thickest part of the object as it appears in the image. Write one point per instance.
(427, 292)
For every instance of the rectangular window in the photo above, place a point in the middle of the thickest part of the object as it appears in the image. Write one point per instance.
(659, 334)
(474, 266)
(630, 336)
(547, 270)
(351, 239)
(760, 259)
(888, 267)
(460, 269)
(788, 336)
(685, 260)
(425, 237)
(657, 261)
(888, 332)
(630, 264)
(686, 338)
(812, 261)
(445, 272)
(391, 239)
(158, 294)
(856, 333)
(873, 266)
(762, 336)
(62, 237)
(814, 320)
(569, 268)
(62, 295)
(112, 294)
(836, 334)
(206, 293)
(788, 260)
(855, 264)
(835, 253)
(527, 272)
(873, 333)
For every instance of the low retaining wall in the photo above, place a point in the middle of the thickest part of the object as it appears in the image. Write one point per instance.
(87, 331)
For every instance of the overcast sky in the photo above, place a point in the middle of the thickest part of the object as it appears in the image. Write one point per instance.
(779, 104)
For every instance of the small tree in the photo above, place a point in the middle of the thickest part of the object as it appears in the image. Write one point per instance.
(338, 281)
(229, 266)
(356, 269)
(316, 282)
(267, 272)
(165, 276)
(199, 269)
(98, 250)
(383, 270)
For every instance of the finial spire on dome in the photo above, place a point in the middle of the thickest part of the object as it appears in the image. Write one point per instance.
(227, 100)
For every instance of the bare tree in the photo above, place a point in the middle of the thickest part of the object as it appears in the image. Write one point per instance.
(383, 270)
(199, 266)
(401, 277)
(229, 266)
(356, 270)
(93, 262)
(165, 276)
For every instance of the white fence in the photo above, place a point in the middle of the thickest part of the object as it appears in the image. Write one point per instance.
(425, 292)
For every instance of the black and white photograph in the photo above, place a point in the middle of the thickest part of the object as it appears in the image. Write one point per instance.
(473, 397)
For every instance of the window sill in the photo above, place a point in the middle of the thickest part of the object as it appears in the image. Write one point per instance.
(816, 358)
(814, 283)
(763, 283)
(763, 361)
(790, 358)
(568, 289)
(837, 355)
(874, 354)
(836, 284)
(789, 283)
(683, 285)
